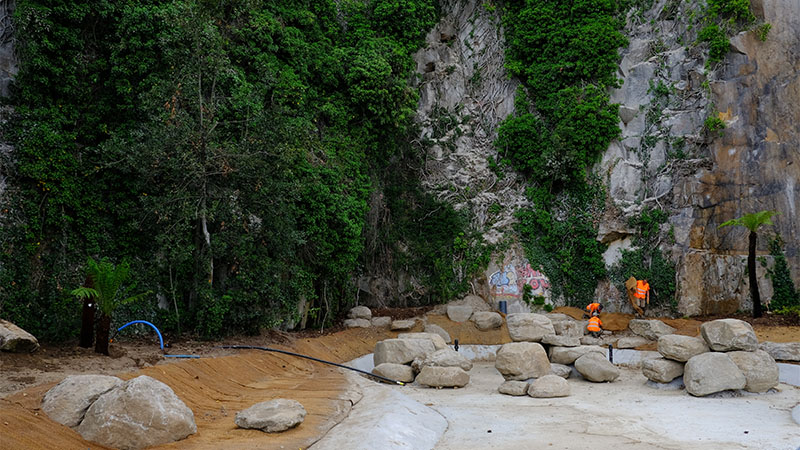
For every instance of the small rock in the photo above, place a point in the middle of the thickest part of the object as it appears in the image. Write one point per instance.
(549, 386)
(272, 416)
(381, 322)
(360, 312)
(399, 372)
(357, 323)
(459, 313)
(403, 325)
(561, 370)
(487, 320)
(514, 387)
(442, 377)
(433, 328)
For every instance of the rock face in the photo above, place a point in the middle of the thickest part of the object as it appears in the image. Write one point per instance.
(15, 339)
(487, 320)
(661, 370)
(272, 416)
(680, 348)
(712, 372)
(759, 369)
(522, 360)
(67, 402)
(725, 335)
(442, 377)
(782, 351)
(438, 342)
(141, 412)
(443, 358)
(401, 351)
(528, 327)
(8, 60)
(549, 386)
(650, 329)
(595, 367)
(398, 372)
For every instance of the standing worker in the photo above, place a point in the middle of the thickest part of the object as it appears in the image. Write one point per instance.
(643, 293)
(594, 309)
(595, 326)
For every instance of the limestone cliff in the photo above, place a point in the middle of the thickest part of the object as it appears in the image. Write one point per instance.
(665, 156)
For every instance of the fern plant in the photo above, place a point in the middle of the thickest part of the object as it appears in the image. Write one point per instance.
(107, 280)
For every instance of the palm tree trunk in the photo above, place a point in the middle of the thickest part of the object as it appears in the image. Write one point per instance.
(87, 318)
(751, 270)
(103, 331)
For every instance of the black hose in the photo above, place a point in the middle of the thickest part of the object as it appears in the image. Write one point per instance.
(268, 349)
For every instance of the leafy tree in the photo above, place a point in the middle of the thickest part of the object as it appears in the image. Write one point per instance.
(785, 297)
(752, 222)
(107, 280)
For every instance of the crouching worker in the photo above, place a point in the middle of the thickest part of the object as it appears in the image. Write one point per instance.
(595, 326)
(594, 309)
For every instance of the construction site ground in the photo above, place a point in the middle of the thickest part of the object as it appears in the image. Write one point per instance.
(225, 381)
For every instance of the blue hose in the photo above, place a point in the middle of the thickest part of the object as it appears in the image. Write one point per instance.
(160, 339)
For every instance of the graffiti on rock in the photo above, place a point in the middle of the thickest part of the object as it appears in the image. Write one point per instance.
(509, 281)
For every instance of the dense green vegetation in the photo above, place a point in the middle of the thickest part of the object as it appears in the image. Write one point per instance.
(565, 54)
(228, 150)
(785, 298)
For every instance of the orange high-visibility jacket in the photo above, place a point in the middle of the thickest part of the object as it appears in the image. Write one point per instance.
(641, 289)
(593, 307)
(594, 324)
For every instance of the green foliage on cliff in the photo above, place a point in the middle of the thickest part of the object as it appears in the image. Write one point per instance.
(227, 149)
(785, 298)
(565, 55)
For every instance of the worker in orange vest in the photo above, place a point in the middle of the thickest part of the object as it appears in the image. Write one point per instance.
(594, 309)
(595, 326)
(642, 293)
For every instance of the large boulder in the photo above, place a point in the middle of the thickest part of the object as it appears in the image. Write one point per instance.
(140, 413)
(680, 348)
(565, 325)
(437, 340)
(401, 351)
(561, 341)
(782, 351)
(549, 386)
(445, 357)
(661, 370)
(442, 377)
(712, 372)
(433, 328)
(596, 367)
(459, 313)
(568, 355)
(516, 388)
(487, 320)
(67, 402)
(393, 371)
(759, 369)
(725, 335)
(359, 312)
(522, 360)
(528, 327)
(15, 339)
(475, 301)
(381, 322)
(650, 329)
(273, 416)
(631, 342)
(357, 323)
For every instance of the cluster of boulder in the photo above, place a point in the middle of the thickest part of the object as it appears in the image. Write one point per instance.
(128, 415)
(529, 368)
(361, 317)
(725, 357)
(424, 358)
(144, 412)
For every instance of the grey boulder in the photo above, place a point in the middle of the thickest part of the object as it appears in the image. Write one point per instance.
(712, 372)
(357, 323)
(67, 402)
(433, 328)
(442, 377)
(487, 320)
(549, 386)
(459, 313)
(140, 413)
(16, 340)
(681, 348)
(568, 355)
(445, 357)
(360, 312)
(661, 370)
(403, 324)
(393, 371)
(401, 351)
(631, 342)
(782, 351)
(522, 360)
(438, 342)
(650, 329)
(516, 388)
(273, 416)
(561, 340)
(725, 335)
(595, 367)
(528, 327)
(759, 369)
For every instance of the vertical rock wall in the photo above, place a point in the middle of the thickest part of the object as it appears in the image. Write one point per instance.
(8, 63)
